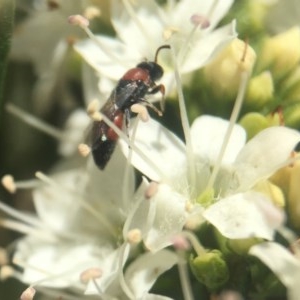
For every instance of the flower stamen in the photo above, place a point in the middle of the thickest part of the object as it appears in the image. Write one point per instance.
(90, 274)
(200, 21)
(83, 23)
(141, 110)
(134, 236)
(12, 186)
(232, 121)
(35, 122)
(151, 190)
(84, 150)
(185, 123)
(28, 294)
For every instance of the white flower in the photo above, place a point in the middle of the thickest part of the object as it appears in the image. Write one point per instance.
(283, 263)
(81, 215)
(44, 39)
(185, 175)
(142, 28)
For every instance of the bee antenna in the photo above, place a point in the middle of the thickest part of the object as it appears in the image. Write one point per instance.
(158, 49)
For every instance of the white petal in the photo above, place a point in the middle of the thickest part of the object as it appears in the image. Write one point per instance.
(265, 154)
(144, 271)
(145, 36)
(57, 206)
(59, 264)
(282, 263)
(164, 151)
(168, 220)
(239, 217)
(207, 47)
(208, 134)
(104, 64)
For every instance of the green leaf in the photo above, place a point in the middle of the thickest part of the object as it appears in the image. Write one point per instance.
(6, 26)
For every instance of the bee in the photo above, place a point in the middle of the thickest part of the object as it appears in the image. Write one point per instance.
(131, 89)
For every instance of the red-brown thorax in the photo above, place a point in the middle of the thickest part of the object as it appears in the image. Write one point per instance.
(137, 74)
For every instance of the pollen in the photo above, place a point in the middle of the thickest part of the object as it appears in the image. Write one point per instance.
(6, 272)
(78, 20)
(168, 32)
(199, 20)
(9, 183)
(151, 190)
(93, 110)
(92, 12)
(141, 111)
(90, 274)
(180, 242)
(3, 257)
(28, 294)
(84, 150)
(134, 236)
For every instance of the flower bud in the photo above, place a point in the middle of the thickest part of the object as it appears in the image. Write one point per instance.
(242, 246)
(223, 74)
(253, 123)
(292, 115)
(293, 196)
(210, 269)
(291, 86)
(288, 179)
(260, 90)
(273, 192)
(281, 53)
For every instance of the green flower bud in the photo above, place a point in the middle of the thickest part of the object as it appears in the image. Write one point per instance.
(291, 86)
(223, 74)
(272, 191)
(293, 196)
(242, 246)
(260, 90)
(254, 123)
(281, 53)
(292, 115)
(210, 269)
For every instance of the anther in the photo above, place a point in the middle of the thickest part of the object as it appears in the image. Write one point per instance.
(6, 272)
(90, 274)
(53, 4)
(84, 150)
(92, 12)
(28, 294)
(93, 110)
(78, 20)
(181, 243)
(199, 20)
(3, 257)
(169, 32)
(141, 110)
(9, 183)
(134, 236)
(151, 190)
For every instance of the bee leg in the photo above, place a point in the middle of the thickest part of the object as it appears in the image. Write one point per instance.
(127, 113)
(159, 88)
